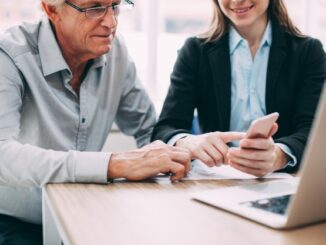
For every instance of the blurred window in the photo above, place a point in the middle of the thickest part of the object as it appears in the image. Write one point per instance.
(156, 29)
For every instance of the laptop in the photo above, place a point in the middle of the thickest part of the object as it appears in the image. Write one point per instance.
(287, 203)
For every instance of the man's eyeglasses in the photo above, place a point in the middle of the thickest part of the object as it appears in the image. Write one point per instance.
(100, 11)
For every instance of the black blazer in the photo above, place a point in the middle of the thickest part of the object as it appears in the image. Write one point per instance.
(201, 79)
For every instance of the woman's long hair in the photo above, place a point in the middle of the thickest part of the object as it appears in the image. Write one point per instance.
(276, 11)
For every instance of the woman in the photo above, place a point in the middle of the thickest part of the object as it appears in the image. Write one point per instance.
(252, 61)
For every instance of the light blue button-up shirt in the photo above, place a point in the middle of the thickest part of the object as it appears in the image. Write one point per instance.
(50, 134)
(248, 82)
(248, 79)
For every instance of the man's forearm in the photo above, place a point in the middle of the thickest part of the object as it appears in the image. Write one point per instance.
(27, 165)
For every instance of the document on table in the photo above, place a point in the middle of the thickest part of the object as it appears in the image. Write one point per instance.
(200, 171)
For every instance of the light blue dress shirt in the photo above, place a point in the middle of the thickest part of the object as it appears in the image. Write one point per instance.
(248, 83)
(248, 79)
(49, 134)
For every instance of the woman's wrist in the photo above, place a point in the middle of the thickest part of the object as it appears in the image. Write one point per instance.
(281, 158)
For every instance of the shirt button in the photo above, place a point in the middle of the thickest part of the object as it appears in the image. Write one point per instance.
(83, 120)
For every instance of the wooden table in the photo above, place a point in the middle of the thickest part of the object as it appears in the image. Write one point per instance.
(154, 212)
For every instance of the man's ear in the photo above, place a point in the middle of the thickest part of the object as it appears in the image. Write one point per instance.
(51, 11)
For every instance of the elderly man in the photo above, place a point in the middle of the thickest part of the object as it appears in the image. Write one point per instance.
(63, 82)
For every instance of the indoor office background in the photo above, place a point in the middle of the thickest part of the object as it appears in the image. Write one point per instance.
(155, 29)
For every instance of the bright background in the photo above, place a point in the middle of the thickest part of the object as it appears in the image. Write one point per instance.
(155, 29)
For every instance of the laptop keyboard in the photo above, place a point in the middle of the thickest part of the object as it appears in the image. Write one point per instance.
(277, 205)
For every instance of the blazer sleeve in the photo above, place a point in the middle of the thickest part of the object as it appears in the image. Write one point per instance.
(178, 109)
(312, 76)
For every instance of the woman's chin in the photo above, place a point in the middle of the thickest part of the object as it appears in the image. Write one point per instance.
(240, 24)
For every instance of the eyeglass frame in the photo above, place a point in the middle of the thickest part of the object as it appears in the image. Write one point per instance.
(84, 10)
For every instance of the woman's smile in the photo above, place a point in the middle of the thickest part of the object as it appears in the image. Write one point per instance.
(242, 11)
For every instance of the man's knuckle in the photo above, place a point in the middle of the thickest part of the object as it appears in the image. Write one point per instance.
(218, 158)
(187, 158)
(164, 157)
(196, 152)
(158, 142)
(209, 160)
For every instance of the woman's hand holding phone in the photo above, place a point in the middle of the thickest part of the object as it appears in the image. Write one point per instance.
(258, 154)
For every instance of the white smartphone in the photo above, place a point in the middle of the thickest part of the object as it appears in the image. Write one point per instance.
(261, 127)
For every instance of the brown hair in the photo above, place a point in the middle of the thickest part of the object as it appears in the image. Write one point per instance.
(276, 11)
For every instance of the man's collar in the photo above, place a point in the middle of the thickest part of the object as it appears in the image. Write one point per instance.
(99, 62)
(50, 54)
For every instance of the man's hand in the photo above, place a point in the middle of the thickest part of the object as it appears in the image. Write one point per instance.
(149, 161)
(257, 156)
(210, 148)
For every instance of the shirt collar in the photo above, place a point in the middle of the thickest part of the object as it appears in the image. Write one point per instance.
(267, 37)
(51, 57)
(236, 39)
(99, 62)
(50, 54)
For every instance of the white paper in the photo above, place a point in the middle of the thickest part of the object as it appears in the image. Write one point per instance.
(200, 171)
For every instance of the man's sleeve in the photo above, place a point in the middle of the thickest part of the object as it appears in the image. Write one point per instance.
(27, 165)
(136, 113)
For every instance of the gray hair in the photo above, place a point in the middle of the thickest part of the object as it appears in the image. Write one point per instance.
(56, 3)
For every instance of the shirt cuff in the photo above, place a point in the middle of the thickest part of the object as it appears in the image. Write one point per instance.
(176, 137)
(293, 161)
(92, 167)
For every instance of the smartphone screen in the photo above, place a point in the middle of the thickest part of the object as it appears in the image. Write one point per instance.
(261, 127)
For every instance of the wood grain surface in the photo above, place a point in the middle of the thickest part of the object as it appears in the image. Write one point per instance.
(161, 212)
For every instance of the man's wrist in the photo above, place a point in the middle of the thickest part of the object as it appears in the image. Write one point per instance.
(117, 166)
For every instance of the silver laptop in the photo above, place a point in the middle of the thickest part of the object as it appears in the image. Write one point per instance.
(285, 203)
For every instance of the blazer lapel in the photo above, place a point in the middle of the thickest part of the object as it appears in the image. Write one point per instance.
(276, 59)
(219, 60)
